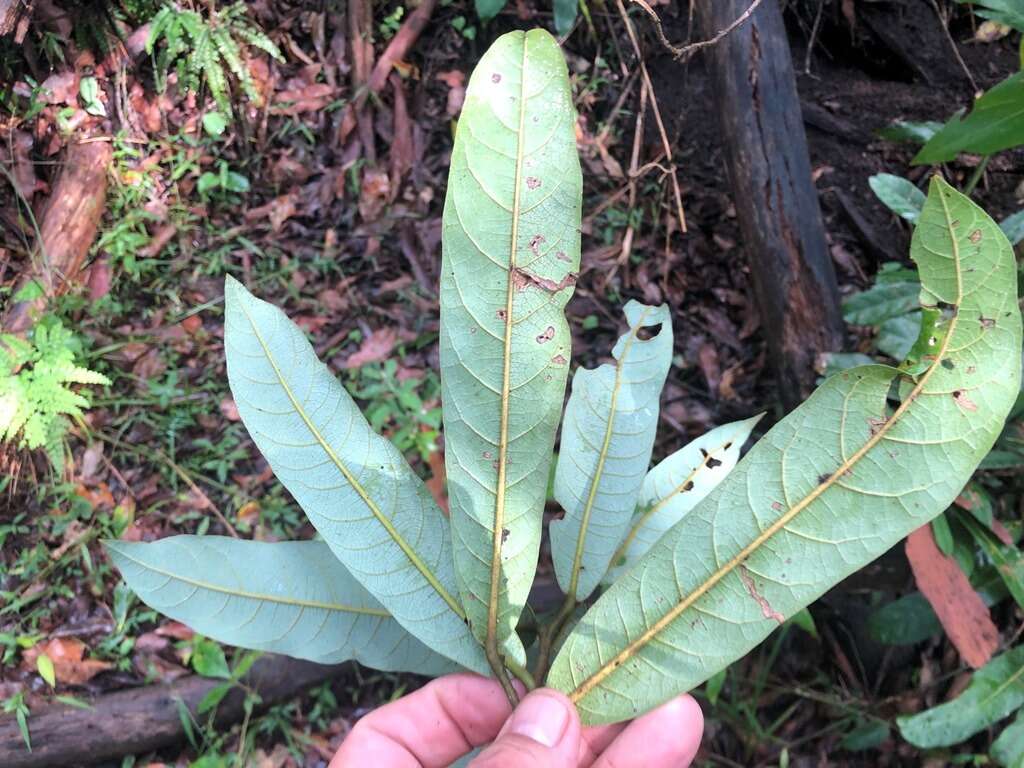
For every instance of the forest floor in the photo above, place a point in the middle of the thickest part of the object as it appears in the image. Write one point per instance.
(330, 207)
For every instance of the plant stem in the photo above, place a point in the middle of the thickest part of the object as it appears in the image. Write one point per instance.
(976, 176)
(549, 636)
(522, 674)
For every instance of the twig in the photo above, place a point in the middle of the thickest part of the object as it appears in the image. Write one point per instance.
(656, 110)
(683, 52)
(952, 44)
(813, 37)
(979, 171)
(400, 44)
(634, 165)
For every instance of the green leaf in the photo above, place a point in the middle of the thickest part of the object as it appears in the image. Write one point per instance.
(511, 250)
(89, 90)
(868, 735)
(914, 133)
(1008, 12)
(1013, 227)
(881, 302)
(1007, 558)
(1008, 749)
(897, 335)
(899, 195)
(996, 691)
(713, 687)
(831, 487)
(214, 123)
(607, 436)
(377, 517)
(488, 9)
(44, 665)
(207, 656)
(290, 597)
(995, 122)
(676, 485)
(906, 621)
(565, 15)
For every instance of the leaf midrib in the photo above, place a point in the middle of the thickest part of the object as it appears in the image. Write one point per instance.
(255, 595)
(506, 376)
(603, 455)
(388, 526)
(635, 646)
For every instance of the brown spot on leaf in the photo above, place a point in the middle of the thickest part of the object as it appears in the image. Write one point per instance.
(501, 314)
(532, 182)
(822, 478)
(876, 424)
(562, 256)
(558, 360)
(713, 462)
(534, 244)
(487, 454)
(504, 535)
(987, 322)
(496, 77)
(964, 401)
(766, 608)
(521, 278)
(547, 335)
(975, 236)
(777, 506)
(688, 486)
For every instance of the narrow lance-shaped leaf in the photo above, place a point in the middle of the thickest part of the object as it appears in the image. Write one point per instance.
(607, 437)
(511, 249)
(290, 597)
(827, 490)
(995, 692)
(676, 485)
(375, 514)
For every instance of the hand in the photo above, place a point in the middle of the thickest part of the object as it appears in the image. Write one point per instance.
(453, 715)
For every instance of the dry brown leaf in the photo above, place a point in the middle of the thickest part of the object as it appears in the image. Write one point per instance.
(67, 654)
(961, 611)
(456, 82)
(375, 348)
(436, 483)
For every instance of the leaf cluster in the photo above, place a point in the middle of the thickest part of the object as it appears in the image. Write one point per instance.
(207, 50)
(36, 388)
(669, 574)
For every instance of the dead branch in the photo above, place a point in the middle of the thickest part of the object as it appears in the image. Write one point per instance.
(683, 52)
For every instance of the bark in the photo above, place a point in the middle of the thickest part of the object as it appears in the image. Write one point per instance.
(765, 150)
(144, 719)
(67, 227)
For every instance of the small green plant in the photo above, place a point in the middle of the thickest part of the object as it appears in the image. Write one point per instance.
(207, 50)
(677, 570)
(36, 392)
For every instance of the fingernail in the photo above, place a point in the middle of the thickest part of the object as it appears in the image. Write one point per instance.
(540, 717)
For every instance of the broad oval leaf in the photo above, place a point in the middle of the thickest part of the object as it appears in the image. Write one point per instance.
(900, 195)
(827, 490)
(375, 514)
(1008, 749)
(994, 122)
(511, 249)
(676, 485)
(607, 436)
(290, 597)
(995, 692)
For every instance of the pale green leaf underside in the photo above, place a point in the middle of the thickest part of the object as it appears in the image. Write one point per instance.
(995, 692)
(291, 597)
(827, 490)
(511, 249)
(355, 487)
(607, 436)
(676, 485)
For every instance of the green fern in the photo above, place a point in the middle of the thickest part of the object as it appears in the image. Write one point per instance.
(207, 50)
(35, 389)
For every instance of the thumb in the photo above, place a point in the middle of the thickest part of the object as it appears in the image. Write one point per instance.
(543, 732)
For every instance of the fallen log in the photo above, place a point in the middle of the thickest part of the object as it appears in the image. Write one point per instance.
(765, 150)
(67, 227)
(143, 719)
